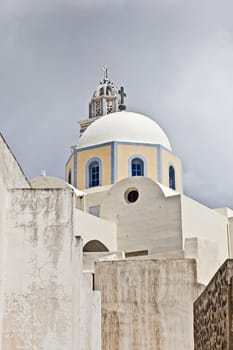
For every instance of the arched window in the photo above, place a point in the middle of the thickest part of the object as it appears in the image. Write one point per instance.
(94, 174)
(172, 177)
(109, 91)
(137, 167)
(70, 177)
(102, 91)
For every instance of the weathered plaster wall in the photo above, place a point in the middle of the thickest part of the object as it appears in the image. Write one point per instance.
(206, 256)
(147, 304)
(205, 224)
(213, 312)
(93, 228)
(38, 290)
(151, 223)
(91, 315)
(11, 176)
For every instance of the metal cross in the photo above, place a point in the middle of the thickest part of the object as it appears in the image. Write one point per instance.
(122, 94)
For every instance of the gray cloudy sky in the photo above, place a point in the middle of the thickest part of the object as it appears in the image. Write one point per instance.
(174, 57)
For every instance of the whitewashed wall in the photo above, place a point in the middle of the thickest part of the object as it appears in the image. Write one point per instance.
(210, 229)
(90, 227)
(151, 223)
(11, 176)
(38, 290)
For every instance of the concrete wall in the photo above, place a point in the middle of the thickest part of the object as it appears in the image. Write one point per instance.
(91, 315)
(11, 176)
(48, 303)
(151, 223)
(206, 256)
(205, 224)
(93, 228)
(147, 304)
(38, 290)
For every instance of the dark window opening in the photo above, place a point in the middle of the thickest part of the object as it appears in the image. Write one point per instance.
(172, 177)
(131, 195)
(70, 178)
(137, 167)
(94, 174)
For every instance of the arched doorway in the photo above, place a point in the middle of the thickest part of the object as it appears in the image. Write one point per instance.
(95, 246)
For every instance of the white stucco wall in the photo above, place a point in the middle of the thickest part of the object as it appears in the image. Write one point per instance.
(38, 289)
(48, 302)
(151, 223)
(206, 254)
(147, 304)
(91, 315)
(11, 176)
(198, 221)
(90, 227)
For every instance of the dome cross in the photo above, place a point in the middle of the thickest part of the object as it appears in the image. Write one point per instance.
(122, 94)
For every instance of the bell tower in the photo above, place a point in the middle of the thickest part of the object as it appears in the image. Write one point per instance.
(106, 99)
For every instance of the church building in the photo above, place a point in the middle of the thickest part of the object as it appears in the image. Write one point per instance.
(113, 257)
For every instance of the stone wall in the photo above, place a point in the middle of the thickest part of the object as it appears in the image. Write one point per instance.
(213, 312)
(147, 304)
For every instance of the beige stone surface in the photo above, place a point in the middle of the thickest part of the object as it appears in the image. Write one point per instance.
(147, 304)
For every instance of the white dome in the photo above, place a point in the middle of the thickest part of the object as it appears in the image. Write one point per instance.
(124, 126)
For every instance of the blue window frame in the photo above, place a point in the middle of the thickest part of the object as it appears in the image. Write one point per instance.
(172, 177)
(94, 174)
(137, 167)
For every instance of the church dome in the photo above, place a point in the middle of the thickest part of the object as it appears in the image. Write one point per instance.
(124, 127)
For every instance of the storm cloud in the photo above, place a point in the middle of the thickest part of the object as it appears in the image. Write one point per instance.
(174, 58)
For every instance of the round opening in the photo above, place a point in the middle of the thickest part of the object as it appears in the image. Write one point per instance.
(131, 195)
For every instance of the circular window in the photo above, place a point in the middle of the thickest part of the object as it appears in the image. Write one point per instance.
(131, 195)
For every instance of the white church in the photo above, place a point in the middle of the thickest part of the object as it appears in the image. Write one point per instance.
(113, 257)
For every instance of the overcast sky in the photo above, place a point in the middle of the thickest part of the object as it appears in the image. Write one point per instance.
(174, 58)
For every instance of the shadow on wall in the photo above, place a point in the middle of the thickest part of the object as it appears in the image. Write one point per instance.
(95, 246)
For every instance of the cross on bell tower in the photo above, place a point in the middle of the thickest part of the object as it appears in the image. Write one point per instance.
(106, 74)
(122, 106)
